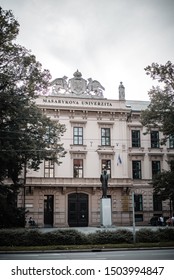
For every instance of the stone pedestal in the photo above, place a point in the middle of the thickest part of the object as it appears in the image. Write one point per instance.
(105, 212)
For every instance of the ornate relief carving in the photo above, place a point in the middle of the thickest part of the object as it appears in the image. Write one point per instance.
(96, 87)
(77, 86)
(59, 85)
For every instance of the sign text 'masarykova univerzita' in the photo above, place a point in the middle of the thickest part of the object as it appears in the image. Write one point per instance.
(77, 102)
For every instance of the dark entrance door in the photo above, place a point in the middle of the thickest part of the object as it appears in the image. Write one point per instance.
(78, 210)
(48, 210)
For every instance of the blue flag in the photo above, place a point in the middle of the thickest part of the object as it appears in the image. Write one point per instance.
(119, 161)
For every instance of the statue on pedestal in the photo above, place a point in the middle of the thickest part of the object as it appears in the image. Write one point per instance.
(121, 90)
(104, 181)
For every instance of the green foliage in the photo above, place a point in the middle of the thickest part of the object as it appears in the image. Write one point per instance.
(10, 214)
(163, 184)
(30, 237)
(160, 114)
(9, 27)
(166, 234)
(147, 235)
(27, 136)
(113, 237)
(65, 237)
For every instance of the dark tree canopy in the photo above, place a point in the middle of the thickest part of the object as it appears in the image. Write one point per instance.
(166, 178)
(26, 135)
(160, 114)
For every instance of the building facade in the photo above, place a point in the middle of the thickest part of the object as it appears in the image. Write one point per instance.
(100, 133)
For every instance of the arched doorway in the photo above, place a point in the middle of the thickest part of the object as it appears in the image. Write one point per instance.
(78, 210)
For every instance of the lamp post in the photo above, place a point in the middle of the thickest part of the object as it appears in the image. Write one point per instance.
(133, 217)
(22, 181)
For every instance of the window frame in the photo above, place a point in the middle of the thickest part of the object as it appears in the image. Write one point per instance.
(78, 168)
(77, 135)
(154, 139)
(171, 141)
(138, 202)
(156, 170)
(49, 169)
(136, 140)
(134, 169)
(105, 139)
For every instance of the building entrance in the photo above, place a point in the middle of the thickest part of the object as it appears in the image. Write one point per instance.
(78, 210)
(48, 210)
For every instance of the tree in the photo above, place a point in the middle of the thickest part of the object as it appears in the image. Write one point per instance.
(163, 184)
(27, 136)
(160, 114)
(10, 214)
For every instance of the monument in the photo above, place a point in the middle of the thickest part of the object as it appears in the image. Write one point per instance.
(105, 204)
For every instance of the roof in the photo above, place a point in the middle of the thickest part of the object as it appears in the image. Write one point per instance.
(137, 105)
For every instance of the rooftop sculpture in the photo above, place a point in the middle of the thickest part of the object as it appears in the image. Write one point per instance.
(77, 86)
(121, 90)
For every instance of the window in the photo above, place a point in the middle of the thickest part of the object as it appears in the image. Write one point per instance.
(106, 164)
(136, 169)
(78, 135)
(78, 168)
(28, 190)
(154, 139)
(171, 165)
(138, 218)
(105, 137)
(136, 138)
(49, 168)
(157, 203)
(138, 202)
(156, 167)
(171, 141)
(49, 136)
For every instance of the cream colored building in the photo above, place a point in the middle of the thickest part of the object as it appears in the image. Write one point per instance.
(99, 133)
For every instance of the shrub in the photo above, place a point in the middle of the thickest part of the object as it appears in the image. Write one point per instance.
(111, 237)
(165, 234)
(11, 237)
(73, 237)
(33, 237)
(30, 237)
(65, 237)
(146, 235)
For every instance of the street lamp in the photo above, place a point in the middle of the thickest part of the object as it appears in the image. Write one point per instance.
(22, 182)
(133, 217)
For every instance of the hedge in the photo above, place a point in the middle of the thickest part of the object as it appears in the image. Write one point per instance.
(111, 237)
(34, 237)
(147, 236)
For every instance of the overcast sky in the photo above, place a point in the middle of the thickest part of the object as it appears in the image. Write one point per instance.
(107, 40)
